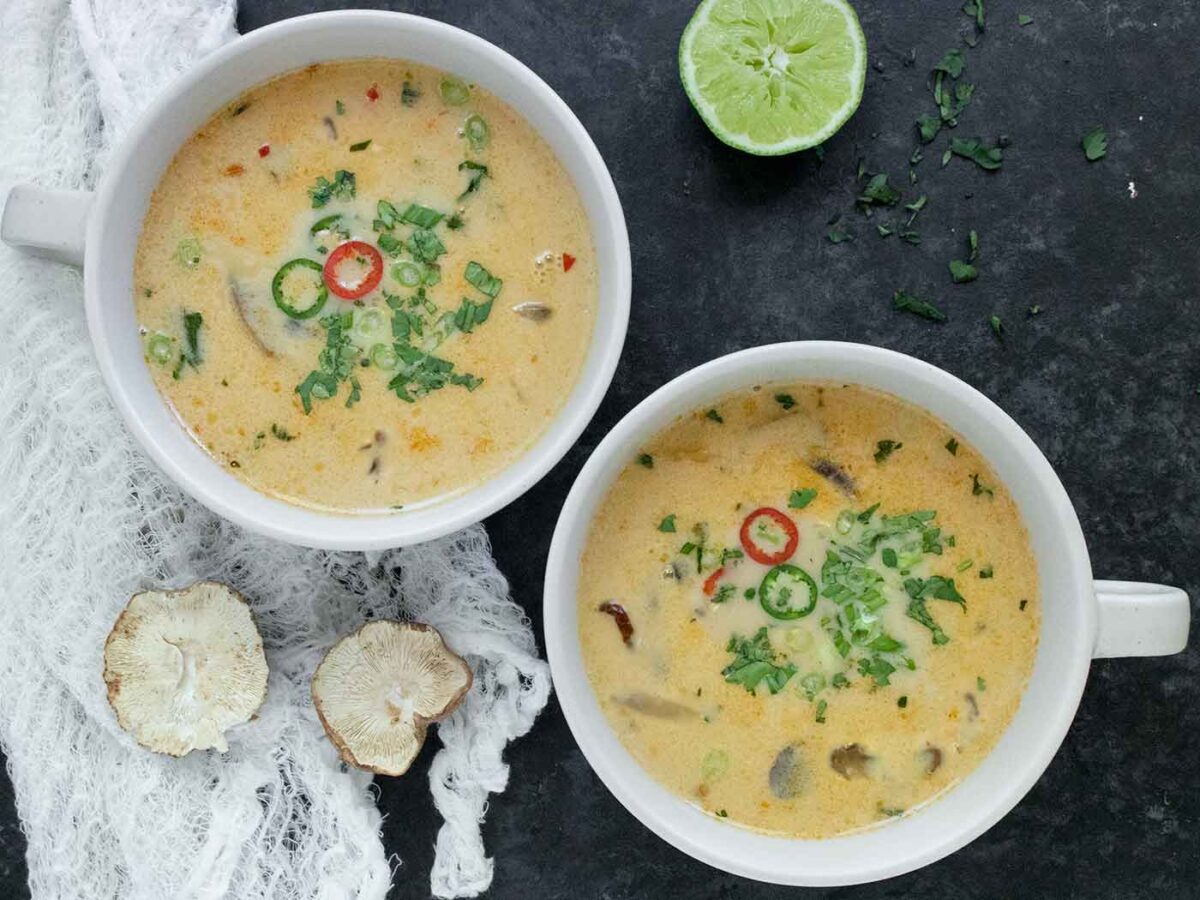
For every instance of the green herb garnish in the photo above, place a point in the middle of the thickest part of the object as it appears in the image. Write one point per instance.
(420, 216)
(974, 149)
(361, 145)
(479, 172)
(961, 272)
(470, 314)
(1095, 144)
(906, 302)
(799, 499)
(281, 434)
(884, 449)
(754, 663)
(715, 416)
(787, 401)
(340, 107)
(996, 325)
(667, 525)
(342, 187)
(1023, 19)
(986, 571)
(482, 279)
(978, 488)
(878, 192)
(645, 459)
(409, 94)
(821, 707)
(952, 446)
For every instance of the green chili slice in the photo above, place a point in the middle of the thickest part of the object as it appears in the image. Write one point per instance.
(476, 131)
(285, 302)
(325, 224)
(788, 592)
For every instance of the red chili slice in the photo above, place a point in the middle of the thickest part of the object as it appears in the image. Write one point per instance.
(617, 611)
(568, 261)
(363, 253)
(373, 92)
(763, 554)
(264, 150)
(710, 583)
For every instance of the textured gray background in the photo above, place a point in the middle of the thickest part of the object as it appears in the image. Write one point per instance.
(730, 251)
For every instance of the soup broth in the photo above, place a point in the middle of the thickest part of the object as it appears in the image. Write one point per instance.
(365, 285)
(808, 609)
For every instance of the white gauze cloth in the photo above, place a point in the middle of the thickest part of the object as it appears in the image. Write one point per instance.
(87, 521)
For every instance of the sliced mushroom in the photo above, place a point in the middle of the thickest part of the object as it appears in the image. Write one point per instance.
(183, 667)
(835, 475)
(239, 303)
(657, 707)
(533, 310)
(377, 690)
(850, 761)
(788, 773)
(331, 128)
(930, 759)
(972, 707)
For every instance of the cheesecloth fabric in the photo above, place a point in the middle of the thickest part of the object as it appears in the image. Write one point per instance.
(87, 521)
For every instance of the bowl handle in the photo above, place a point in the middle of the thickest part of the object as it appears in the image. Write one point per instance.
(44, 222)
(1138, 619)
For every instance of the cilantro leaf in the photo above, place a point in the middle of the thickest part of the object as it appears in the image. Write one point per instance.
(906, 302)
(961, 272)
(342, 187)
(1095, 144)
(884, 449)
(754, 663)
(667, 525)
(974, 149)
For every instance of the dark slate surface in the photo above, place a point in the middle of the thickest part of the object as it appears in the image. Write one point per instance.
(730, 251)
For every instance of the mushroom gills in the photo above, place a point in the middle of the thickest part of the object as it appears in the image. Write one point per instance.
(851, 761)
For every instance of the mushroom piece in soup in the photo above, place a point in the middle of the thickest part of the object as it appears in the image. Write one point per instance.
(828, 608)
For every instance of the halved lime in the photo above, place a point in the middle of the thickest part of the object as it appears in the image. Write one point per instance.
(773, 76)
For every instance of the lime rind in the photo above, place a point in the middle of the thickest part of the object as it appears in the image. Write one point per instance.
(773, 76)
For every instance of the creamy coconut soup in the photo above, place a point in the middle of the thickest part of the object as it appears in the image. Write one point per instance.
(364, 285)
(808, 608)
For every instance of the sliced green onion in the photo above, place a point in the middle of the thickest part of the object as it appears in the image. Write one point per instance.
(432, 274)
(813, 682)
(408, 274)
(454, 92)
(476, 130)
(370, 326)
(383, 357)
(159, 347)
(845, 521)
(286, 302)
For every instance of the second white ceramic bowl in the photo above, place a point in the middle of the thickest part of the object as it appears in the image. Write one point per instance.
(1081, 619)
(102, 232)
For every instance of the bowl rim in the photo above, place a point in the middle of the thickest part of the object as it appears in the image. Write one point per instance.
(771, 858)
(429, 519)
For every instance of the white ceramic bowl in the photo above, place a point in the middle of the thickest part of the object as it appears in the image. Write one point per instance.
(1081, 620)
(102, 232)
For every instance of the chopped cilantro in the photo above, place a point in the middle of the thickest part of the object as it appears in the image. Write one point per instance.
(471, 314)
(986, 572)
(838, 234)
(787, 401)
(409, 94)
(715, 416)
(974, 149)
(342, 187)
(1023, 19)
(1095, 144)
(645, 459)
(420, 216)
(801, 498)
(996, 325)
(961, 272)
(978, 488)
(479, 172)
(361, 145)
(906, 302)
(952, 446)
(884, 449)
(481, 278)
(821, 707)
(903, 702)
(340, 107)
(980, 684)
(878, 192)
(754, 663)
(667, 525)
(724, 593)
(281, 433)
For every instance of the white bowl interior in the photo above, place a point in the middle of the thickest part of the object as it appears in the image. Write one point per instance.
(219, 79)
(1060, 669)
